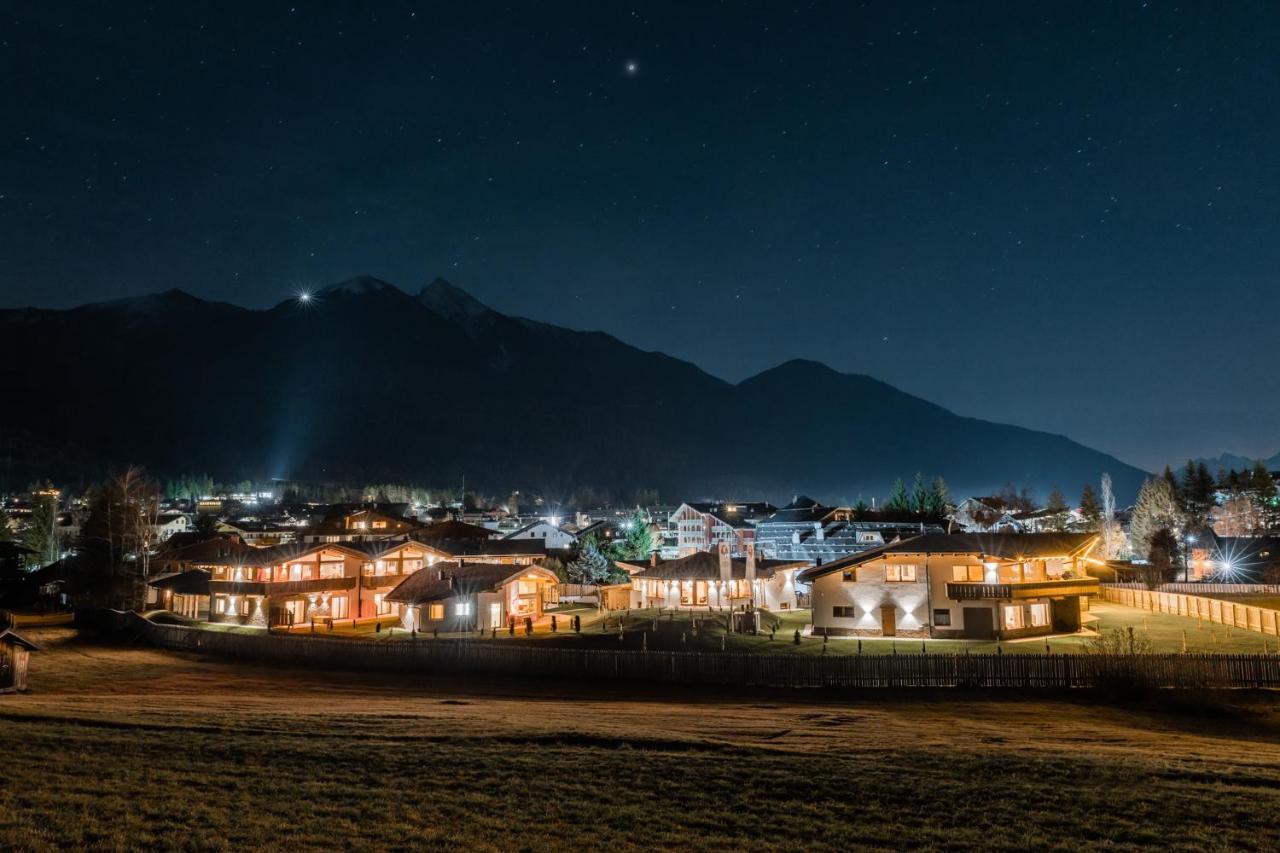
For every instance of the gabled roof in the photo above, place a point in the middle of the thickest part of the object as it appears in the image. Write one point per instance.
(539, 523)
(448, 580)
(194, 582)
(489, 548)
(736, 514)
(705, 565)
(452, 529)
(11, 637)
(1002, 546)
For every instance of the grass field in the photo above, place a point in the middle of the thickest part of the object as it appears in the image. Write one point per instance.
(669, 630)
(124, 747)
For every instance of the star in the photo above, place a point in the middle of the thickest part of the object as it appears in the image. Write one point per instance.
(632, 67)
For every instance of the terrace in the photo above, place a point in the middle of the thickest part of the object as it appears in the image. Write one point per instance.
(1016, 590)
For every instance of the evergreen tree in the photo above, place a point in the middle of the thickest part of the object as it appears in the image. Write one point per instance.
(1057, 511)
(591, 565)
(898, 501)
(1162, 557)
(939, 500)
(919, 496)
(1172, 479)
(1090, 508)
(1262, 490)
(42, 530)
(1157, 509)
(639, 539)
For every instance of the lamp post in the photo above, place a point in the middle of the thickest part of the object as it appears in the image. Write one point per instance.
(1186, 555)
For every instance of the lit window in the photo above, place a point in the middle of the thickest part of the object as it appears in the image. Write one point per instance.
(970, 574)
(900, 574)
(378, 525)
(436, 612)
(219, 605)
(338, 607)
(1012, 618)
(1038, 615)
(462, 608)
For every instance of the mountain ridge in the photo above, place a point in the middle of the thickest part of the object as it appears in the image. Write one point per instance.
(366, 381)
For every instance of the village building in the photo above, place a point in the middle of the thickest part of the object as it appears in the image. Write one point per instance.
(166, 524)
(224, 580)
(714, 581)
(452, 596)
(553, 537)
(15, 650)
(260, 534)
(979, 586)
(361, 524)
(806, 530)
(703, 526)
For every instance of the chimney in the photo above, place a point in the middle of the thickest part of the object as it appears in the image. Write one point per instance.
(653, 559)
(818, 533)
(751, 561)
(726, 566)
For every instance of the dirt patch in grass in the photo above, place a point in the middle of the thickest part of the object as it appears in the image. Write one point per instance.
(124, 747)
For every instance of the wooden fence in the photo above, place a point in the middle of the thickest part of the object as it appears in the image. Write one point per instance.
(1247, 616)
(1197, 588)
(1222, 588)
(742, 669)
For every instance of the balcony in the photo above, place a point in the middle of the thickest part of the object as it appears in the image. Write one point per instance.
(1026, 589)
(281, 587)
(380, 581)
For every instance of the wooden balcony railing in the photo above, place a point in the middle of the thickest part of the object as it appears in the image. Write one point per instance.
(380, 581)
(1026, 589)
(281, 587)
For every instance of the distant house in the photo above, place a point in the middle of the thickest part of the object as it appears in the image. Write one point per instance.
(169, 523)
(14, 653)
(454, 596)
(703, 526)
(361, 523)
(960, 585)
(260, 534)
(714, 580)
(806, 530)
(983, 514)
(544, 531)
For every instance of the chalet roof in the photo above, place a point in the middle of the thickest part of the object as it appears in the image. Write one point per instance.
(434, 582)
(1002, 546)
(10, 637)
(705, 565)
(736, 514)
(536, 548)
(453, 529)
(538, 523)
(194, 582)
(224, 549)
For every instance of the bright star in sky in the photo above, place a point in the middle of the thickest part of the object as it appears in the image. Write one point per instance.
(632, 67)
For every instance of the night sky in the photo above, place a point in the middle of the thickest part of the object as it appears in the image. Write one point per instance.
(1065, 218)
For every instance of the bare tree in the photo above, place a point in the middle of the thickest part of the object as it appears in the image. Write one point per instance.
(1113, 544)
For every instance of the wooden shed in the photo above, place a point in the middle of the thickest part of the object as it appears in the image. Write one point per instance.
(14, 651)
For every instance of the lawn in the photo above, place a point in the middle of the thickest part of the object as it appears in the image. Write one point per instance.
(664, 630)
(123, 747)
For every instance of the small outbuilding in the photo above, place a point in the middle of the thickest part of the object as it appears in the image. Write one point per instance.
(14, 651)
